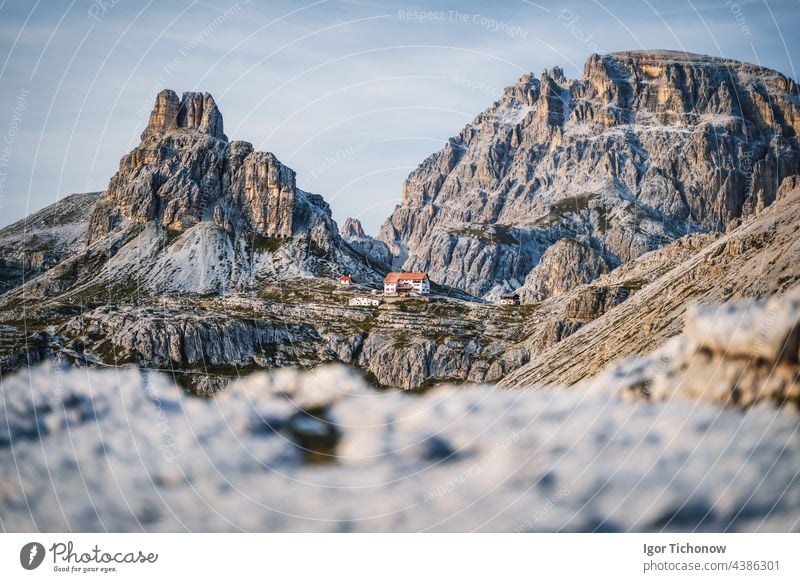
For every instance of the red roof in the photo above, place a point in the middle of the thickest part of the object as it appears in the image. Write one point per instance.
(395, 277)
(345, 278)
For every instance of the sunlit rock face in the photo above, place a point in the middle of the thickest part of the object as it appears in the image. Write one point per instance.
(216, 208)
(184, 171)
(194, 111)
(643, 148)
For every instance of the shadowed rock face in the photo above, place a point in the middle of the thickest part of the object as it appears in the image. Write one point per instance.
(643, 148)
(756, 259)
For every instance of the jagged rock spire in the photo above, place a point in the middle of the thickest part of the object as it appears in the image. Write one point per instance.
(179, 179)
(194, 110)
(352, 229)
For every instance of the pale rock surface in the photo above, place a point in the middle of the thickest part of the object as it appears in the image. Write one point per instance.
(644, 148)
(736, 354)
(767, 330)
(354, 234)
(563, 266)
(40, 241)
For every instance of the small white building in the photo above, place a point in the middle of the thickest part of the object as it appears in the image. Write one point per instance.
(345, 280)
(406, 284)
(509, 299)
(364, 301)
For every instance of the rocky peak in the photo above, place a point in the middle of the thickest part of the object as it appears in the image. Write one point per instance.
(352, 229)
(680, 87)
(195, 111)
(353, 233)
(215, 215)
(182, 178)
(643, 148)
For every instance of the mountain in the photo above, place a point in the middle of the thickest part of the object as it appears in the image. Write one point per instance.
(609, 203)
(34, 244)
(354, 234)
(190, 212)
(644, 148)
(648, 215)
(204, 256)
(207, 341)
(756, 259)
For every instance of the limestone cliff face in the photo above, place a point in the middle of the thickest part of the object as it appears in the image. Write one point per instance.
(643, 148)
(213, 215)
(171, 178)
(563, 266)
(195, 111)
(262, 189)
(184, 171)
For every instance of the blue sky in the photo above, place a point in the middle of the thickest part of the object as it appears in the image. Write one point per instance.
(351, 94)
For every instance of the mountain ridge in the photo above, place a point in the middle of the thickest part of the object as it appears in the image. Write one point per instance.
(640, 150)
(577, 194)
(186, 198)
(753, 260)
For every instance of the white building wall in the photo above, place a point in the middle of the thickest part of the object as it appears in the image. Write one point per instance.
(422, 287)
